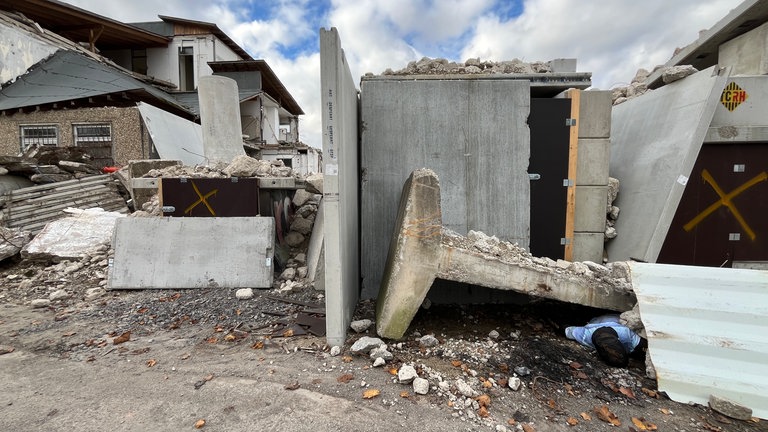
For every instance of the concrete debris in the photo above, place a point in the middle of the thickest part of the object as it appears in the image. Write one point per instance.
(379, 362)
(244, 166)
(631, 319)
(473, 66)
(301, 197)
(729, 408)
(428, 341)
(420, 386)
(382, 353)
(522, 371)
(314, 183)
(244, 294)
(12, 240)
(71, 237)
(335, 350)
(493, 334)
(288, 274)
(365, 344)
(406, 374)
(360, 326)
(48, 164)
(676, 73)
(612, 212)
(514, 383)
(40, 303)
(94, 293)
(301, 225)
(465, 389)
(58, 295)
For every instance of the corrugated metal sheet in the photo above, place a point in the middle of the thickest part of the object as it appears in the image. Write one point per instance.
(707, 331)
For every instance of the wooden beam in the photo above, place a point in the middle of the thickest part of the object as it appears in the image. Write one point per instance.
(573, 152)
(94, 36)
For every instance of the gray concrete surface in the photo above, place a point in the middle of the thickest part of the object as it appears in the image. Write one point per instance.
(220, 119)
(173, 137)
(746, 54)
(234, 252)
(340, 186)
(472, 133)
(655, 140)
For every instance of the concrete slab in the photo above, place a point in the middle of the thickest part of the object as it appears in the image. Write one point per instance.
(589, 215)
(421, 251)
(472, 133)
(595, 114)
(180, 253)
(70, 237)
(220, 119)
(593, 161)
(340, 187)
(655, 140)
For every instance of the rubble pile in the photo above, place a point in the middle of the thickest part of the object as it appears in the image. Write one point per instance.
(639, 86)
(441, 66)
(44, 164)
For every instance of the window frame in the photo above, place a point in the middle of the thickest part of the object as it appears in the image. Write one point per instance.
(26, 141)
(77, 139)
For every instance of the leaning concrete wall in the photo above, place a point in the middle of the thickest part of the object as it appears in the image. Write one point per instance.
(655, 140)
(471, 132)
(340, 186)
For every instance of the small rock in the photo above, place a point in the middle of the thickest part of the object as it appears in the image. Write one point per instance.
(94, 293)
(420, 386)
(360, 326)
(426, 304)
(366, 344)
(335, 350)
(729, 408)
(676, 73)
(428, 341)
(40, 303)
(379, 362)
(302, 272)
(515, 334)
(493, 334)
(58, 295)
(465, 389)
(522, 371)
(288, 274)
(6, 349)
(300, 197)
(381, 352)
(444, 386)
(294, 239)
(244, 294)
(514, 383)
(406, 374)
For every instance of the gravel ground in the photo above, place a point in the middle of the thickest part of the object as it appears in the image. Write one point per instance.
(85, 358)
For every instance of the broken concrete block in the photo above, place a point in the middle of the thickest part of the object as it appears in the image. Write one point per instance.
(514, 383)
(58, 295)
(244, 294)
(288, 274)
(301, 225)
(729, 408)
(294, 239)
(246, 166)
(77, 167)
(40, 303)
(301, 197)
(379, 362)
(12, 241)
(465, 389)
(420, 386)
(360, 326)
(335, 350)
(428, 341)
(314, 183)
(366, 344)
(382, 353)
(406, 374)
(676, 73)
(94, 293)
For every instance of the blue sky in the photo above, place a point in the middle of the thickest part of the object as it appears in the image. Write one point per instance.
(612, 39)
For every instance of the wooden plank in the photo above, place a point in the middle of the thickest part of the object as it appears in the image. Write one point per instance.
(573, 152)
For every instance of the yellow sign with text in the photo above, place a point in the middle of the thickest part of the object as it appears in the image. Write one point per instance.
(733, 96)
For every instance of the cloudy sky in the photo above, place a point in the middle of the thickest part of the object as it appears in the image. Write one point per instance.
(610, 38)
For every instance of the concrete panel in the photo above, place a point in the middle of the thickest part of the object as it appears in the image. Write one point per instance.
(340, 187)
(472, 133)
(174, 138)
(655, 139)
(593, 162)
(591, 202)
(746, 54)
(180, 253)
(588, 246)
(750, 112)
(220, 119)
(595, 114)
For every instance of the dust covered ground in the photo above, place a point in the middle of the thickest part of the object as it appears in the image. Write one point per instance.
(169, 360)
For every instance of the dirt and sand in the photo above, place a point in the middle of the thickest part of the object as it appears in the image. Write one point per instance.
(195, 355)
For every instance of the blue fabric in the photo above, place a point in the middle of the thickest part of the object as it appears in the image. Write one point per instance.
(583, 335)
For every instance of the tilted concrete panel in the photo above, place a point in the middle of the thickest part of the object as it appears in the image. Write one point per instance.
(655, 140)
(220, 119)
(189, 252)
(340, 187)
(472, 133)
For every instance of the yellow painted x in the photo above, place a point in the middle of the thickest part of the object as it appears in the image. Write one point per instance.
(202, 200)
(725, 200)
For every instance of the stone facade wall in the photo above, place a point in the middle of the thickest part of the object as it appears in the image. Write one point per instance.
(129, 138)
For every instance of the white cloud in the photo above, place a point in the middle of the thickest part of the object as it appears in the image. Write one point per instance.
(610, 38)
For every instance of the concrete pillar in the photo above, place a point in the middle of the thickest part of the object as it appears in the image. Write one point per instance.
(220, 119)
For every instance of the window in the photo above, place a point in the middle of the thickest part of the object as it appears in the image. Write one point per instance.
(92, 133)
(186, 68)
(139, 60)
(38, 135)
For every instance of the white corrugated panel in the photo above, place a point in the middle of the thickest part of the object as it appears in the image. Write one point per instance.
(707, 331)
